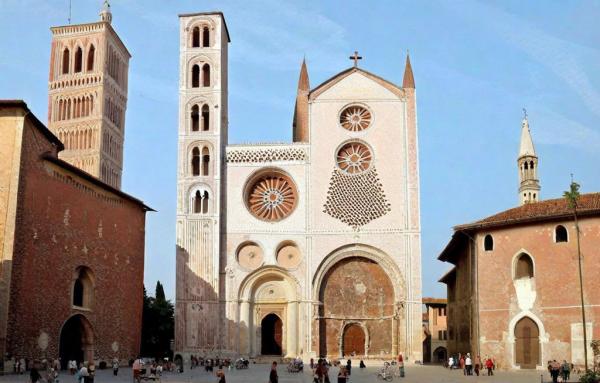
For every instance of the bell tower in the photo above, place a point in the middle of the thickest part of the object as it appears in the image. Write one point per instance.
(87, 96)
(529, 184)
(200, 181)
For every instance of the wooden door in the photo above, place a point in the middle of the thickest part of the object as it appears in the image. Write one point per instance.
(353, 340)
(527, 343)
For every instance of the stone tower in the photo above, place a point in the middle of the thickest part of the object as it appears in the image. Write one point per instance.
(200, 180)
(87, 96)
(529, 184)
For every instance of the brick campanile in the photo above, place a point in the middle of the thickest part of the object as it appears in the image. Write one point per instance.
(87, 96)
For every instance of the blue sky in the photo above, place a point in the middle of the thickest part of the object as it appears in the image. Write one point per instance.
(476, 65)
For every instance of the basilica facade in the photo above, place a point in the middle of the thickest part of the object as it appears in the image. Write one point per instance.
(309, 248)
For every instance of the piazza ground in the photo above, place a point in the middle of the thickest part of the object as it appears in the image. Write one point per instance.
(259, 373)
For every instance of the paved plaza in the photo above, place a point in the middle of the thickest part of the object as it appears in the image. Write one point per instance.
(259, 373)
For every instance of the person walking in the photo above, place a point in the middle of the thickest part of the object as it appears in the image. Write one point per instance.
(34, 375)
(554, 370)
(469, 365)
(461, 363)
(273, 377)
(565, 371)
(115, 366)
(401, 365)
(477, 365)
(221, 376)
(349, 367)
(489, 364)
(342, 375)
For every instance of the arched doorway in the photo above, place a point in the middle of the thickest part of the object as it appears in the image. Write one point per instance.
(76, 340)
(353, 341)
(271, 329)
(527, 343)
(440, 355)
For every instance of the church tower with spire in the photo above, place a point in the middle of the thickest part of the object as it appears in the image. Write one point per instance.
(529, 184)
(87, 96)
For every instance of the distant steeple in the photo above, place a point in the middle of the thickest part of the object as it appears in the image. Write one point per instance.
(106, 14)
(300, 124)
(409, 80)
(529, 185)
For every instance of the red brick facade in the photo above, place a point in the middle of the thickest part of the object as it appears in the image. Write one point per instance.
(65, 220)
(488, 298)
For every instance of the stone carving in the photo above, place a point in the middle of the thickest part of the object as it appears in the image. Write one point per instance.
(355, 118)
(356, 199)
(266, 154)
(272, 196)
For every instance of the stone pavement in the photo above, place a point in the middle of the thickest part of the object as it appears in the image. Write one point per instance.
(259, 374)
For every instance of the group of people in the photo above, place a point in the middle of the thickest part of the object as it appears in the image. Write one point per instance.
(470, 365)
(557, 369)
(208, 363)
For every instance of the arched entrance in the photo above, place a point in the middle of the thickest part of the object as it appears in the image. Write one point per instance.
(353, 341)
(76, 340)
(440, 355)
(527, 343)
(271, 329)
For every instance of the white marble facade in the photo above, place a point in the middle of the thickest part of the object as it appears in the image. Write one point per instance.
(244, 272)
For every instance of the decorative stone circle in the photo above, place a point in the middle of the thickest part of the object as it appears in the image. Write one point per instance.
(355, 118)
(288, 256)
(250, 256)
(354, 157)
(271, 196)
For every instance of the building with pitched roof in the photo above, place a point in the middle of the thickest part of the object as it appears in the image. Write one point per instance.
(513, 290)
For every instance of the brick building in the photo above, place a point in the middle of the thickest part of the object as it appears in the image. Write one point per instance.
(72, 251)
(513, 292)
(435, 330)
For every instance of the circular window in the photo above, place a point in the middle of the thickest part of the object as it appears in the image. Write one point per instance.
(355, 118)
(271, 196)
(288, 256)
(250, 256)
(354, 157)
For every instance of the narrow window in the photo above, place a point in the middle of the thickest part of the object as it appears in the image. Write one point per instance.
(78, 293)
(196, 37)
(560, 234)
(197, 202)
(206, 75)
(195, 76)
(526, 166)
(78, 59)
(524, 267)
(90, 58)
(205, 37)
(205, 203)
(196, 162)
(205, 161)
(488, 243)
(65, 61)
(205, 118)
(195, 118)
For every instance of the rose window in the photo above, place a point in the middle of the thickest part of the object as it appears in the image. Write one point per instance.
(355, 118)
(354, 157)
(271, 196)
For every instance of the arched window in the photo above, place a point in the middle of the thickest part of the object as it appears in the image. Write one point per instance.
(206, 75)
(526, 166)
(488, 243)
(195, 76)
(83, 288)
(78, 60)
(205, 203)
(205, 37)
(196, 37)
(561, 234)
(531, 165)
(65, 61)
(195, 119)
(90, 58)
(524, 267)
(205, 161)
(205, 118)
(198, 202)
(196, 162)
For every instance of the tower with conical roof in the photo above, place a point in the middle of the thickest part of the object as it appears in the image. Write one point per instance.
(300, 124)
(529, 184)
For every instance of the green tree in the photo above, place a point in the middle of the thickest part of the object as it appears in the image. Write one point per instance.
(157, 324)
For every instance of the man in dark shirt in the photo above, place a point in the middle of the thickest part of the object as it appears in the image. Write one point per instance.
(273, 378)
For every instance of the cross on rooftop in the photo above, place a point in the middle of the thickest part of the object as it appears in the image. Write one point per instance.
(355, 57)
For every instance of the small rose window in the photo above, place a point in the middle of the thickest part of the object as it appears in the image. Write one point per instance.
(355, 118)
(354, 157)
(271, 196)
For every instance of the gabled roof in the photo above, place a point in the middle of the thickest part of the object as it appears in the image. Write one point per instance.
(316, 92)
(547, 210)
